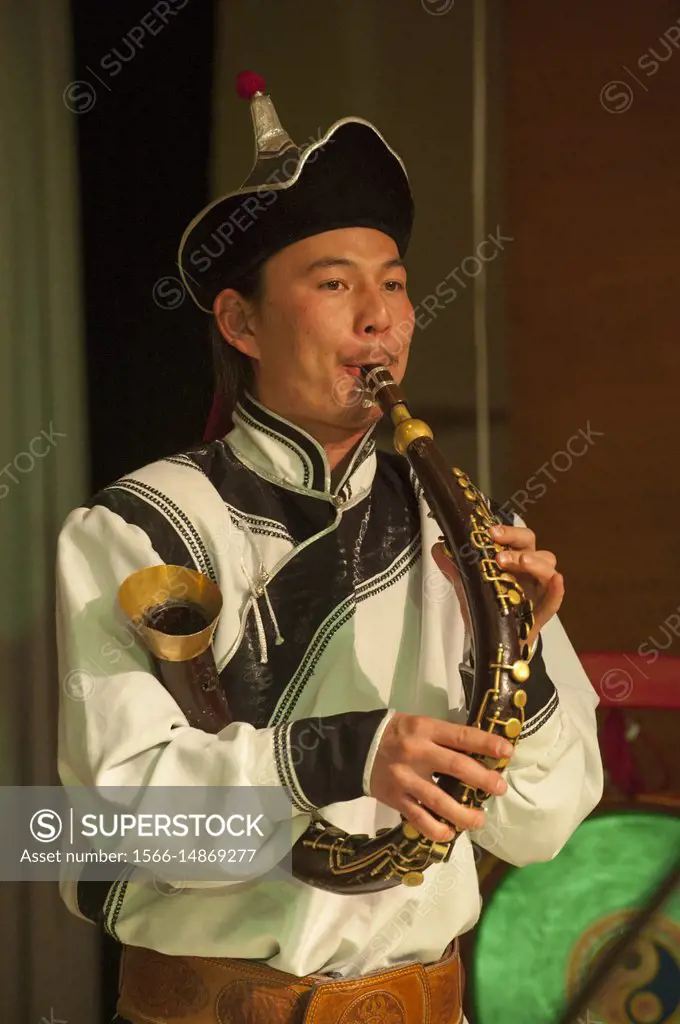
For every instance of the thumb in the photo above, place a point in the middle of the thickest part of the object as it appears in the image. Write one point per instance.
(446, 564)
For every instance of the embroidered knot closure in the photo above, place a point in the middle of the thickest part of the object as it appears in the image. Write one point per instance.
(258, 589)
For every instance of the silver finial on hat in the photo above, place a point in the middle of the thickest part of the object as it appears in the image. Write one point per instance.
(270, 137)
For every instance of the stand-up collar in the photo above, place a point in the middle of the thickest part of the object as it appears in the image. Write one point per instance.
(282, 452)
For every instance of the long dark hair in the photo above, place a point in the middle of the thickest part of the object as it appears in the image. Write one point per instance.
(233, 370)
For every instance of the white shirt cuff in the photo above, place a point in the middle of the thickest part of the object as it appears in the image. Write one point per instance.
(373, 750)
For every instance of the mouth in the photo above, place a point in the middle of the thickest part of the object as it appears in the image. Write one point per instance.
(359, 369)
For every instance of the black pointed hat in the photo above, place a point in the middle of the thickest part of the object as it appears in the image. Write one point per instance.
(349, 177)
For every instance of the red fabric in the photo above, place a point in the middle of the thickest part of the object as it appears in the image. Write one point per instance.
(634, 680)
(217, 424)
(248, 83)
(623, 682)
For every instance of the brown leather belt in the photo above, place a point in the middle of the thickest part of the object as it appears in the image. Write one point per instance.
(160, 989)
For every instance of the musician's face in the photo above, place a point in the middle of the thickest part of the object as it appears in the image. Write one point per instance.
(329, 303)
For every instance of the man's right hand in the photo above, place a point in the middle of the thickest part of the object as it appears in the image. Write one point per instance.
(412, 749)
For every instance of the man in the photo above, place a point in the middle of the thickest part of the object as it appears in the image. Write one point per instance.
(327, 561)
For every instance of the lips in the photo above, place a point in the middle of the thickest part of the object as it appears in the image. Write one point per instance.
(356, 368)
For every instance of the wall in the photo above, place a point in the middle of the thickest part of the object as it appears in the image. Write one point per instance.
(592, 285)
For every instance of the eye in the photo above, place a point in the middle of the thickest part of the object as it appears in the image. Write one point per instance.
(329, 285)
(399, 286)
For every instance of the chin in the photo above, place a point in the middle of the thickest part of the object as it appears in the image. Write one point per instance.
(358, 418)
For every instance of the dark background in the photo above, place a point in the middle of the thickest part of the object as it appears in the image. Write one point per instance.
(143, 157)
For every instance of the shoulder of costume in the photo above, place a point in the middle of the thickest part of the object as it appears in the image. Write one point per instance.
(175, 502)
(181, 476)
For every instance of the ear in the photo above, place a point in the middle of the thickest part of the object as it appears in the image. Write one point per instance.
(235, 320)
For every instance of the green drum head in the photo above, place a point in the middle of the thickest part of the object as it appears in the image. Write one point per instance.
(545, 925)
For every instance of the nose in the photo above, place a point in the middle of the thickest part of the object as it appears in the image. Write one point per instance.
(374, 318)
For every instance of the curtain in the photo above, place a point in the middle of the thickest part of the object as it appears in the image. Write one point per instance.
(49, 967)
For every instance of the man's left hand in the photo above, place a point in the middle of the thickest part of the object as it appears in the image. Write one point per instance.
(534, 570)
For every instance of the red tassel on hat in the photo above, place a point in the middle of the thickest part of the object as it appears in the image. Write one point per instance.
(248, 83)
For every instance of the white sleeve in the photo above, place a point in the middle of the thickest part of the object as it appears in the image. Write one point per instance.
(555, 776)
(118, 725)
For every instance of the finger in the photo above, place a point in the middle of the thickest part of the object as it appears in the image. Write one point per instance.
(421, 819)
(466, 770)
(512, 555)
(548, 556)
(436, 801)
(551, 602)
(528, 563)
(520, 537)
(470, 739)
